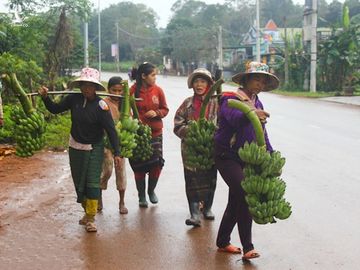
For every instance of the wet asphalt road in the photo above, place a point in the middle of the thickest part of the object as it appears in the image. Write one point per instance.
(321, 142)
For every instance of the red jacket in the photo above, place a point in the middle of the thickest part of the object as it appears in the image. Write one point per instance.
(153, 99)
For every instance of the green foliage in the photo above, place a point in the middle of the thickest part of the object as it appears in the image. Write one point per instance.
(302, 93)
(339, 56)
(57, 132)
(25, 70)
(298, 62)
(111, 66)
(78, 7)
(148, 55)
(6, 132)
(137, 29)
(277, 9)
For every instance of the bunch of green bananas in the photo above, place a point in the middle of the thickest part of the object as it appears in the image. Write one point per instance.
(28, 131)
(199, 139)
(199, 145)
(264, 188)
(127, 130)
(143, 150)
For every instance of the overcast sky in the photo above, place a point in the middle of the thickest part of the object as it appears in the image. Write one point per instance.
(161, 7)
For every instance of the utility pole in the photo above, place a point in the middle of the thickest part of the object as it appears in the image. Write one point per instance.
(220, 48)
(86, 44)
(313, 49)
(99, 31)
(286, 55)
(117, 47)
(257, 31)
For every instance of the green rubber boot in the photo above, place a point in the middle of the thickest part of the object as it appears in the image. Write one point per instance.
(140, 185)
(194, 220)
(152, 196)
(208, 214)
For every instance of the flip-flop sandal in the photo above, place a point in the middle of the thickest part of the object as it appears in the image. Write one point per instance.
(252, 254)
(91, 227)
(230, 249)
(123, 210)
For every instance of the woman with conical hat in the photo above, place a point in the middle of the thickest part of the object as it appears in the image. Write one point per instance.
(90, 116)
(234, 130)
(199, 184)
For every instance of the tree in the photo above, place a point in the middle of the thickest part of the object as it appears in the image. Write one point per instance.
(339, 57)
(276, 9)
(58, 42)
(137, 29)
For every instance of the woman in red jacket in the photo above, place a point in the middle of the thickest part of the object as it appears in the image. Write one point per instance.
(151, 109)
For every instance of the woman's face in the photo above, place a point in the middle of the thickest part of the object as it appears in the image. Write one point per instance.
(116, 89)
(256, 83)
(200, 86)
(150, 79)
(88, 89)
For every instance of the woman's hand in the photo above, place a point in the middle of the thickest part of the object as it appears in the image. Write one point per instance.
(43, 91)
(262, 115)
(117, 161)
(150, 114)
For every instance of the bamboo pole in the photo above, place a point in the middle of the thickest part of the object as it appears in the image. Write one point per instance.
(65, 92)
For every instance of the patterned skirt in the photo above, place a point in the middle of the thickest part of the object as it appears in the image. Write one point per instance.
(200, 184)
(155, 160)
(86, 169)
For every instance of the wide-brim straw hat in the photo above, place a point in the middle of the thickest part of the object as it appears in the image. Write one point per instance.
(258, 68)
(88, 75)
(199, 72)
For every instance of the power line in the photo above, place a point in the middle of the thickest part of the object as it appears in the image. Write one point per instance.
(136, 36)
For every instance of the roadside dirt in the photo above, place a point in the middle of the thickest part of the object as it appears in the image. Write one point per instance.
(17, 198)
(36, 203)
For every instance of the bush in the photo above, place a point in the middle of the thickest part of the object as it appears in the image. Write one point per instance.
(57, 132)
(6, 132)
(111, 66)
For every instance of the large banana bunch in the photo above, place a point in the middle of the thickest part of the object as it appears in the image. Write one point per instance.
(127, 127)
(30, 124)
(126, 131)
(28, 131)
(143, 150)
(264, 188)
(199, 145)
(199, 140)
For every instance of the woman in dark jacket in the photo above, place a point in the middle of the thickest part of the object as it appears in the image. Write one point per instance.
(90, 116)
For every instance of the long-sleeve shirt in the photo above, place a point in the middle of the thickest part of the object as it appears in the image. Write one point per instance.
(153, 99)
(88, 119)
(233, 124)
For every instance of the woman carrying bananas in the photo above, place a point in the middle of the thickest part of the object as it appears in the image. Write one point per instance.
(199, 184)
(234, 130)
(114, 87)
(151, 109)
(90, 116)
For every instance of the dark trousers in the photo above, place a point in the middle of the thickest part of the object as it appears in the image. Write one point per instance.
(236, 211)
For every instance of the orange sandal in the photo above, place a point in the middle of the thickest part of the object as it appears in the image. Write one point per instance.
(230, 249)
(252, 254)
